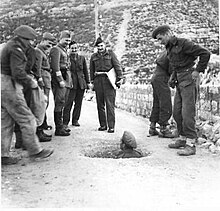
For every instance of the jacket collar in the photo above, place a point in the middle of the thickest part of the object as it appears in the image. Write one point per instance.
(172, 42)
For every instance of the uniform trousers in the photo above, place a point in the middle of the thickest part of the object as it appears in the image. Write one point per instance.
(14, 109)
(162, 105)
(184, 110)
(105, 97)
(75, 95)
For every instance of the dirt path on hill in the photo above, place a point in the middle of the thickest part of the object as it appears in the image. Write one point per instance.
(68, 179)
(122, 34)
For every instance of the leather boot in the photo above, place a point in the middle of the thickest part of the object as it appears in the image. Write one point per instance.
(60, 131)
(42, 137)
(152, 130)
(165, 132)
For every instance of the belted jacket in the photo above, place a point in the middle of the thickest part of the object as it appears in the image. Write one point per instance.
(59, 63)
(42, 60)
(103, 63)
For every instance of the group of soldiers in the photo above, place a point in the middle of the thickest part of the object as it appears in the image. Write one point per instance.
(52, 64)
(58, 66)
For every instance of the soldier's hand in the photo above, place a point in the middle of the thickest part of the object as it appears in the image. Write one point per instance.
(41, 83)
(195, 75)
(62, 84)
(91, 86)
(34, 84)
(119, 83)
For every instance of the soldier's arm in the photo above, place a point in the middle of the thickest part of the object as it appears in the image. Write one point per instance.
(18, 62)
(92, 70)
(39, 59)
(55, 64)
(197, 51)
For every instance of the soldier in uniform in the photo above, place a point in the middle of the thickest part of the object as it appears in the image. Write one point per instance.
(44, 76)
(103, 61)
(43, 68)
(80, 78)
(61, 80)
(182, 55)
(14, 108)
(162, 105)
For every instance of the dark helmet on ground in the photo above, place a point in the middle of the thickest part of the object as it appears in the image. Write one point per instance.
(25, 32)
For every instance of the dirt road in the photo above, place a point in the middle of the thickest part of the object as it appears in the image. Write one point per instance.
(68, 179)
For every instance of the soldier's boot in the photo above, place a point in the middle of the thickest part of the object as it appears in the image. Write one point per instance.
(42, 136)
(165, 132)
(152, 129)
(66, 128)
(59, 131)
(178, 142)
(188, 150)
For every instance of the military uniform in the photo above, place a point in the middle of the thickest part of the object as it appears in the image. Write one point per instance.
(59, 64)
(13, 104)
(182, 54)
(105, 93)
(80, 79)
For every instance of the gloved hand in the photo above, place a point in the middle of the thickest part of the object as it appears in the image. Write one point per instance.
(62, 84)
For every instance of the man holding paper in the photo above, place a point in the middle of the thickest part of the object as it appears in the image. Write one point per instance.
(101, 64)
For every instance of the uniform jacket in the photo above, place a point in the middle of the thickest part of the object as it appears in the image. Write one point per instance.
(182, 54)
(129, 153)
(162, 63)
(103, 63)
(79, 71)
(14, 61)
(59, 63)
(42, 60)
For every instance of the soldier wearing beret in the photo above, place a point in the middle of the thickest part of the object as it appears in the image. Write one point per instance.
(182, 55)
(61, 80)
(44, 76)
(128, 145)
(14, 108)
(100, 63)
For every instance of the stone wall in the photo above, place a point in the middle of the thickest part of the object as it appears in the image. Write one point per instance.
(138, 99)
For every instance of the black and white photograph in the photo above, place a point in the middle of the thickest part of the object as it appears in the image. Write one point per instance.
(110, 105)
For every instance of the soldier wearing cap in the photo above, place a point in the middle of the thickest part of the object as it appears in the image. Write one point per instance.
(100, 63)
(14, 108)
(182, 55)
(61, 80)
(44, 76)
(128, 145)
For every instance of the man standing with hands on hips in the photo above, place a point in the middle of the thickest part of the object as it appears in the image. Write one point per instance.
(100, 63)
(182, 55)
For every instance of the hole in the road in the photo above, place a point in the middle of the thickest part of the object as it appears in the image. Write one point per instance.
(107, 150)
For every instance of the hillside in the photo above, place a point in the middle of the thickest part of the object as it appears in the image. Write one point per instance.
(196, 20)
